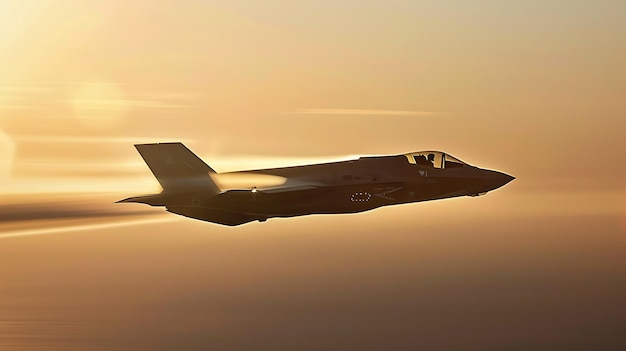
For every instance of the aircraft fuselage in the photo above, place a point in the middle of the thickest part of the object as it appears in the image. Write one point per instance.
(328, 188)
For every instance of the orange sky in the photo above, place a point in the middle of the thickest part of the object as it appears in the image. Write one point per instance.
(531, 89)
(535, 89)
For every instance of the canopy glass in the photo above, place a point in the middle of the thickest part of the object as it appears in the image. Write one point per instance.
(436, 159)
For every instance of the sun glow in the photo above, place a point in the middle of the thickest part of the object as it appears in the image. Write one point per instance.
(246, 181)
(100, 105)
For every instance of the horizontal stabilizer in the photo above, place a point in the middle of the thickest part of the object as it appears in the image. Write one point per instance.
(152, 200)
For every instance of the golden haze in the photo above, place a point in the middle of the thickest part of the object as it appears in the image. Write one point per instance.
(533, 88)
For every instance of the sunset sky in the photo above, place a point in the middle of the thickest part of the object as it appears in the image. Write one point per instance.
(536, 89)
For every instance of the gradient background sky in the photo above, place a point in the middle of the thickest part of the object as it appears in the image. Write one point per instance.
(536, 89)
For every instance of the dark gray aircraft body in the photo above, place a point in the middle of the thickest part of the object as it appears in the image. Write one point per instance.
(193, 189)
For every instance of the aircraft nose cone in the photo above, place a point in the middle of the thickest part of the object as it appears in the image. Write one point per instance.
(497, 179)
(508, 178)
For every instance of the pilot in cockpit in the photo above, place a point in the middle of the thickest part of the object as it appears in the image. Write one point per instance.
(431, 159)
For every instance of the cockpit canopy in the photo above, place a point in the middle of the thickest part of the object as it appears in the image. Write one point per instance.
(435, 159)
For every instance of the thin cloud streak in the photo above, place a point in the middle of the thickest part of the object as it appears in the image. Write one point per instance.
(79, 185)
(123, 104)
(13, 97)
(23, 89)
(84, 227)
(28, 207)
(46, 164)
(363, 112)
(17, 107)
(93, 140)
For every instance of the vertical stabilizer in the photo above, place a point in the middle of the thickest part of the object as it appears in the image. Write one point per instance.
(177, 169)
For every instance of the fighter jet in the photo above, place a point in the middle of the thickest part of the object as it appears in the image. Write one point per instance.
(193, 189)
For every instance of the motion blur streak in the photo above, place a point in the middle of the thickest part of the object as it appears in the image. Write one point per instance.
(83, 227)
